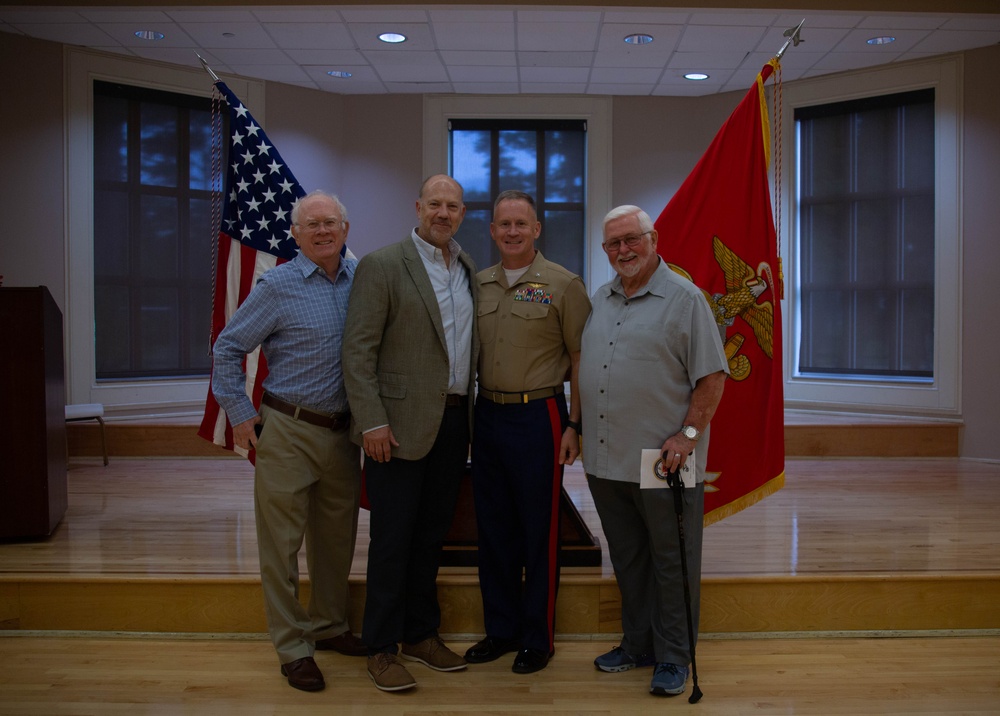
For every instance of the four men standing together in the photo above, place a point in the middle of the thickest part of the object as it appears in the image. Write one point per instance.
(418, 325)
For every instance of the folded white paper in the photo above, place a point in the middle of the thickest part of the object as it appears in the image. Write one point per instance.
(653, 473)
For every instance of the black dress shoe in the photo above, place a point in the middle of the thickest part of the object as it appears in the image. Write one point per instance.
(303, 674)
(528, 661)
(490, 649)
(346, 643)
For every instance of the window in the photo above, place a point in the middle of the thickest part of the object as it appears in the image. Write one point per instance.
(911, 391)
(545, 158)
(152, 232)
(866, 237)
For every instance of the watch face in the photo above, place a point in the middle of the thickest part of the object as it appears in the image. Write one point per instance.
(690, 433)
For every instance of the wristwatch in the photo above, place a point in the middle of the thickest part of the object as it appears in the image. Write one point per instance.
(690, 432)
(575, 425)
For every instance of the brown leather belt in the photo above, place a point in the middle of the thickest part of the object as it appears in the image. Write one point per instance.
(454, 400)
(336, 422)
(512, 398)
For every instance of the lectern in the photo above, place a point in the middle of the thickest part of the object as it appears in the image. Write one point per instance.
(33, 494)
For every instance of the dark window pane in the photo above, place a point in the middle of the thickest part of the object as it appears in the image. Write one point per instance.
(866, 242)
(474, 236)
(158, 329)
(112, 329)
(111, 140)
(200, 242)
(918, 137)
(111, 232)
(917, 251)
(518, 161)
(877, 318)
(158, 149)
(560, 239)
(878, 236)
(917, 323)
(470, 156)
(158, 245)
(201, 157)
(564, 166)
(196, 324)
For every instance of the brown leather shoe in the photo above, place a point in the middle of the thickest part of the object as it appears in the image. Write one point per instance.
(388, 674)
(304, 674)
(346, 644)
(432, 652)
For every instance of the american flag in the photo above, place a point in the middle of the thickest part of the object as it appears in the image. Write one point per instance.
(255, 235)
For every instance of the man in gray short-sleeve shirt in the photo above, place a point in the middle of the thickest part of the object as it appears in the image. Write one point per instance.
(652, 372)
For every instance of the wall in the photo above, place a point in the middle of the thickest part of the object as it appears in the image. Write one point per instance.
(658, 141)
(32, 191)
(366, 149)
(371, 154)
(384, 167)
(981, 260)
(304, 125)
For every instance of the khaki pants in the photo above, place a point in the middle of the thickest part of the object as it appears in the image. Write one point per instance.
(307, 486)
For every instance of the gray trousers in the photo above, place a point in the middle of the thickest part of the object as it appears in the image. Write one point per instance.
(307, 486)
(641, 529)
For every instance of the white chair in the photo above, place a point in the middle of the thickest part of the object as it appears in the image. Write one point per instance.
(89, 411)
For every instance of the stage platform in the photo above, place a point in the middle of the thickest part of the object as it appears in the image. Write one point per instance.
(901, 541)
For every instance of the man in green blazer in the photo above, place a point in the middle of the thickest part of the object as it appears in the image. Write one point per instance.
(409, 356)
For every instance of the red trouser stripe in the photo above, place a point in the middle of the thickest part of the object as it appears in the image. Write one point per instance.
(556, 423)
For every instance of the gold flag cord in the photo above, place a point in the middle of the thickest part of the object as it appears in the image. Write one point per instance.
(776, 97)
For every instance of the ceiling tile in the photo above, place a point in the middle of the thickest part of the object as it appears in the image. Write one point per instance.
(549, 36)
(311, 36)
(475, 36)
(229, 34)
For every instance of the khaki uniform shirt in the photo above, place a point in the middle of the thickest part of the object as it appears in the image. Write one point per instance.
(529, 330)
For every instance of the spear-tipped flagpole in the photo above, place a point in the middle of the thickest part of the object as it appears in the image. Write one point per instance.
(215, 77)
(791, 33)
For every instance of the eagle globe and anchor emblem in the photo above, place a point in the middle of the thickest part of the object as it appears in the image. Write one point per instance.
(744, 286)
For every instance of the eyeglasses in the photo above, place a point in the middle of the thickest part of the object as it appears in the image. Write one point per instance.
(631, 241)
(328, 224)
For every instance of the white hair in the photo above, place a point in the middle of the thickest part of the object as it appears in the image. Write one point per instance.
(313, 194)
(645, 223)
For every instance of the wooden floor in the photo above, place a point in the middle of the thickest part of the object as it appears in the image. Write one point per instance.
(146, 601)
(106, 676)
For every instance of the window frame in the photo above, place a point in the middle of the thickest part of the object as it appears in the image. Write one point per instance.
(595, 111)
(180, 396)
(941, 396)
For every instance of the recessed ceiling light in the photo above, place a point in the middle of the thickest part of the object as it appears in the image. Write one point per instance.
(884, 40)
(638, 39)
(149, 35)
(338, 73)
(392, 37)
(696, 76)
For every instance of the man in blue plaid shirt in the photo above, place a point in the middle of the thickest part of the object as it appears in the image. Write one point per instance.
(307, 479)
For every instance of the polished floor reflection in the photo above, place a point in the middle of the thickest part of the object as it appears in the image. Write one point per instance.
(194, 517)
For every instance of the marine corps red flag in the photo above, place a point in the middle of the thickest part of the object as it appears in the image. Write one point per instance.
(718, 230)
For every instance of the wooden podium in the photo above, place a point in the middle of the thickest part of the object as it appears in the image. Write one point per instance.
(577, 545)
(33, 495)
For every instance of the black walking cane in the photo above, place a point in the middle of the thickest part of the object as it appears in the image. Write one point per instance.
(676, 484)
